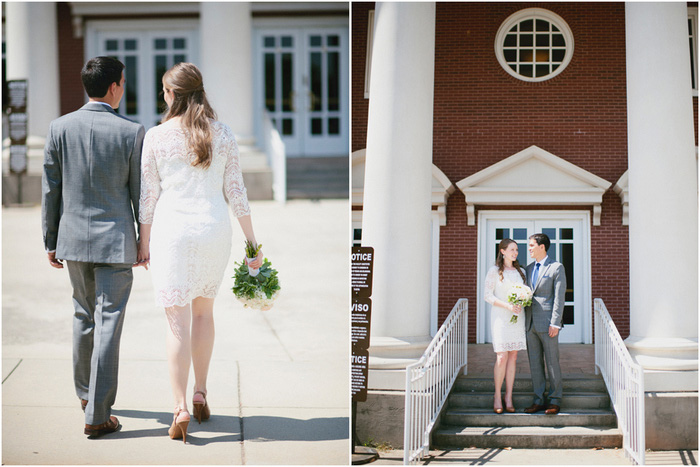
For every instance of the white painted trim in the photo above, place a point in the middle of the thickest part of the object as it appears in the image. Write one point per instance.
(435, 272)
(693, 13)
(586, 267)
(622, 189)
(301, 22)
(535, 13)
(369, 43)
(478, 188)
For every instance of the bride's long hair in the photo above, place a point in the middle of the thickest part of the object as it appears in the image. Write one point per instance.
(190, 102)
(501, 263)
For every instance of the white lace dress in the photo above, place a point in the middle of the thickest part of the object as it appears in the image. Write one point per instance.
(191, 229)
(506, 336)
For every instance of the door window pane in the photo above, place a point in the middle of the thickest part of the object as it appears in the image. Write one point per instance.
(287, 83)
(161, 44)
(315, 41)
(566, 234)
(111, 45)
(519, 234)
(269, 41)
(161, 64)
(567, 259)
(287, 41)
(551, 233)
(316, 126)
(333, 41)
(568, 317)
(333, 81)
(316, 91)
(130, 44)
(287, 126)
(333, 126)
(270, 82)
(179, 43)
(502, 233)
(130, 95)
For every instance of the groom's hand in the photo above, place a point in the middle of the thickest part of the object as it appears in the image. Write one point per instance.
(56, 263)
(553, 332)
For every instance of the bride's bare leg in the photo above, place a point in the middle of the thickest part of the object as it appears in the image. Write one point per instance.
(499, 371)
(510, 376)
(202, 341)
(178, 345)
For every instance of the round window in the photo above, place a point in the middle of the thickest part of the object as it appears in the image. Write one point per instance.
(534, 44)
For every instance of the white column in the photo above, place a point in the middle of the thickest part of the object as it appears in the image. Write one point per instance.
(227, 63)
(663, 194)
(31, 37)
(397, 206)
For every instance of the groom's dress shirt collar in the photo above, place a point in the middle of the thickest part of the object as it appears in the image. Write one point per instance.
(541, 262)
(103, 103)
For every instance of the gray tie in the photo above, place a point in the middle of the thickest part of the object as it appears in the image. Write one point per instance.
(535, 274)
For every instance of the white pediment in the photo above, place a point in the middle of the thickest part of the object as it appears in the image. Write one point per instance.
(533, 177)
(441, 187)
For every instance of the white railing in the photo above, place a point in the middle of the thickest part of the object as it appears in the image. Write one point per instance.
(276, 157)
(625, 382)
(429, 380)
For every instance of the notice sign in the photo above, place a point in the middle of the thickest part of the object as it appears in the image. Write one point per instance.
(360, 370)
(362, 262)
(361, 312)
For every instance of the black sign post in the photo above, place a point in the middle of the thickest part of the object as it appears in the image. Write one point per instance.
(17, 90)
(361, 312)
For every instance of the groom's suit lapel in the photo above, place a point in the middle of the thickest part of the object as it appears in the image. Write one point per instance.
(543, 271)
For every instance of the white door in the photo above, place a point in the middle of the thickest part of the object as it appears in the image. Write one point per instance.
(302, 83)
(147, 55)
(569, 246)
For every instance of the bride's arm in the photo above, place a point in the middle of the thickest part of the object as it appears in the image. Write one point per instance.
(246, 224)
(490, 286)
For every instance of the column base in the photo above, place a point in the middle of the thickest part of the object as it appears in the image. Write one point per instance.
(389, 357)
(670, 364)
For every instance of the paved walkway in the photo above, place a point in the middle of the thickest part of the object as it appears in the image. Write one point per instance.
(278, 384)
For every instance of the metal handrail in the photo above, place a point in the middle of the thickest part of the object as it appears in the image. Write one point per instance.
(430, 379)
(625, 382)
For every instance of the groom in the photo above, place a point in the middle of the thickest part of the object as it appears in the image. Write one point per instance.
(90, 199)
(543, 320)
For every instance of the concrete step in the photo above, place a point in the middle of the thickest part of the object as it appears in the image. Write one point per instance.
(481, 417)
(528, 437)
(570, 400)
(523, 383)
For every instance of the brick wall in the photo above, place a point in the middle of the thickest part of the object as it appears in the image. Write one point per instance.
(483, 115)
(71, 56)
(360, 105)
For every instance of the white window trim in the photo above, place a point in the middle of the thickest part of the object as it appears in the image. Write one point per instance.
(482, 267)
(693, 13)
(535, 13)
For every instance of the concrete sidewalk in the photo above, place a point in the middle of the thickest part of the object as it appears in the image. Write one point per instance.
(476, 456)
(278, 385)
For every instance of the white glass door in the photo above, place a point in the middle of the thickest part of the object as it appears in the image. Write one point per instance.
(303, 85)
(569, 246)
(146, 55)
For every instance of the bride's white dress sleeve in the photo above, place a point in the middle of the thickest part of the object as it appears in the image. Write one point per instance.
(233, 177)
(150, 181)
(490, 285)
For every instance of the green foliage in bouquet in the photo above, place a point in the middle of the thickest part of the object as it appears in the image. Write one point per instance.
(251, 250)
(266, 281)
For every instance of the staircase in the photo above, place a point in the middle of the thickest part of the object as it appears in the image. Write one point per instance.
(318, 177)
(586, 419)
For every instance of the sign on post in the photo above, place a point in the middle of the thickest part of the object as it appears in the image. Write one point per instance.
(361, 311)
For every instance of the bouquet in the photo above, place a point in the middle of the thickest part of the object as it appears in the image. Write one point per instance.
(256, 288)
(519, 294)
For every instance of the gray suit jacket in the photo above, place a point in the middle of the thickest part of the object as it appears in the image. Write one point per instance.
(549, 296)
(91, 184)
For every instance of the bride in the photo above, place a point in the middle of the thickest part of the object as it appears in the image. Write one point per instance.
(188, 163)
(508, 337)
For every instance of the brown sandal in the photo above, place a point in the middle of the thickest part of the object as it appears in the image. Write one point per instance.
(201, 409)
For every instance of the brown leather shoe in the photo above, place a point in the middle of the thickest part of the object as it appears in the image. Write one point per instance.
(535, 408)
(552, 410)
(110, 426)
(83, 404)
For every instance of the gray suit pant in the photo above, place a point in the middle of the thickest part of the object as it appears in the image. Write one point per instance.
(100, 293)
(541, 348)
